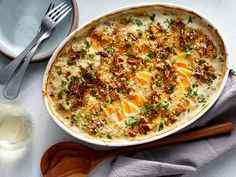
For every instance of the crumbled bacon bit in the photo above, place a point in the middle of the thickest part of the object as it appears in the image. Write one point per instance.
(103, 54)
(68, 74)
(132, 134)
(51, 94)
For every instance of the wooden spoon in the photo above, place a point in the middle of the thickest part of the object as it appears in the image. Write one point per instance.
(70, 159)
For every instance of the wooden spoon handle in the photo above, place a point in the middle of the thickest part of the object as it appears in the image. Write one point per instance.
(189, 135)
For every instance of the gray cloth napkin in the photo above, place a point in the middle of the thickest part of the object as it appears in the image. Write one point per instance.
(176, 160)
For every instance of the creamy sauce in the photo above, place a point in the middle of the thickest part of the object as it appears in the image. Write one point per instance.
(136, 74)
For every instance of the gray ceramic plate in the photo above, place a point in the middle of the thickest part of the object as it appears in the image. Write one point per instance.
(20, 20)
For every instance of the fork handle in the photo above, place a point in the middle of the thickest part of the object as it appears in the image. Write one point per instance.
(12, 89)
(7, 71)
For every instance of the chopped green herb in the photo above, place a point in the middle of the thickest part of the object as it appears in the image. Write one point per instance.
(78, 115)
(211, 78)
(128, 19)
(87, 44)
(58, 69)
(86, 124)
(110, 50)
(73, 120)
(152, 17)
(187, 48)
(63, 83)
(190, 20)
(148, 58)
(165, 105)
(145, 109)
(83, 52)
(89, 117)
(150, 69)
(171, 89)
(97, 113)
(164, 56)
(59, 72)
(109, 136)
(201, 98)
(132, 121)
(161, 126)
(91, 56)
(69, 62)
(138, 22)
(60, 94)
(170, 48)
(91, 74)
(169, 21)
(74, 79)
(188, 54)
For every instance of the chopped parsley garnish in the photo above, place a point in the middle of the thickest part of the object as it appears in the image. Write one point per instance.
(63, 83)
(83, 52)
(132, 121)
(157, 81)
(150, 69)
(110, 50)
(201, 98)
(188, 54)
(151, 109)
(192, 91)
(190, 20)
(161, 126)
(91, 56)
(171, 89)
(169, 21)
(138, 22)
(148, 58)
(89, 117)
(211, 78)
(164, 56)
(128, 19)
(58, 69)
(87, 44)
(69, 62)
(109, 136)
(187, 48)
(73, 120)
(91, 74)
(74, 79)
(152, 17)
(97, 113)
(60, 94)
(59, 72)
(165, 105)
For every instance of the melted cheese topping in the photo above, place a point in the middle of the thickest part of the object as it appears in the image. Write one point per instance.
(136, 75)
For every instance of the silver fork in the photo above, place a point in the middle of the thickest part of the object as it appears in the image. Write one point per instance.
(13, 87)
(49, 22)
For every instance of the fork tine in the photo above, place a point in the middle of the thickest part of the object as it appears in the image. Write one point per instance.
(58, 11)
(54, 9)
(49, 8)
(61, 13)
(59, 19)
(53, 5)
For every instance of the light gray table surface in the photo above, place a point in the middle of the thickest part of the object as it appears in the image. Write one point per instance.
(25, 162)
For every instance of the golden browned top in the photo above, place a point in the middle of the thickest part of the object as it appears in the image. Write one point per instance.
(135, 75)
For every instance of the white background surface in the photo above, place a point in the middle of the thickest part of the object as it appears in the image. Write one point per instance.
(26, 162)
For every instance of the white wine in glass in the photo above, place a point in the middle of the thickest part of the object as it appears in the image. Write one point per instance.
(16, 127)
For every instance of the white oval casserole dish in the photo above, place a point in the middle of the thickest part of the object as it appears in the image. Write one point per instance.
(84, 28)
